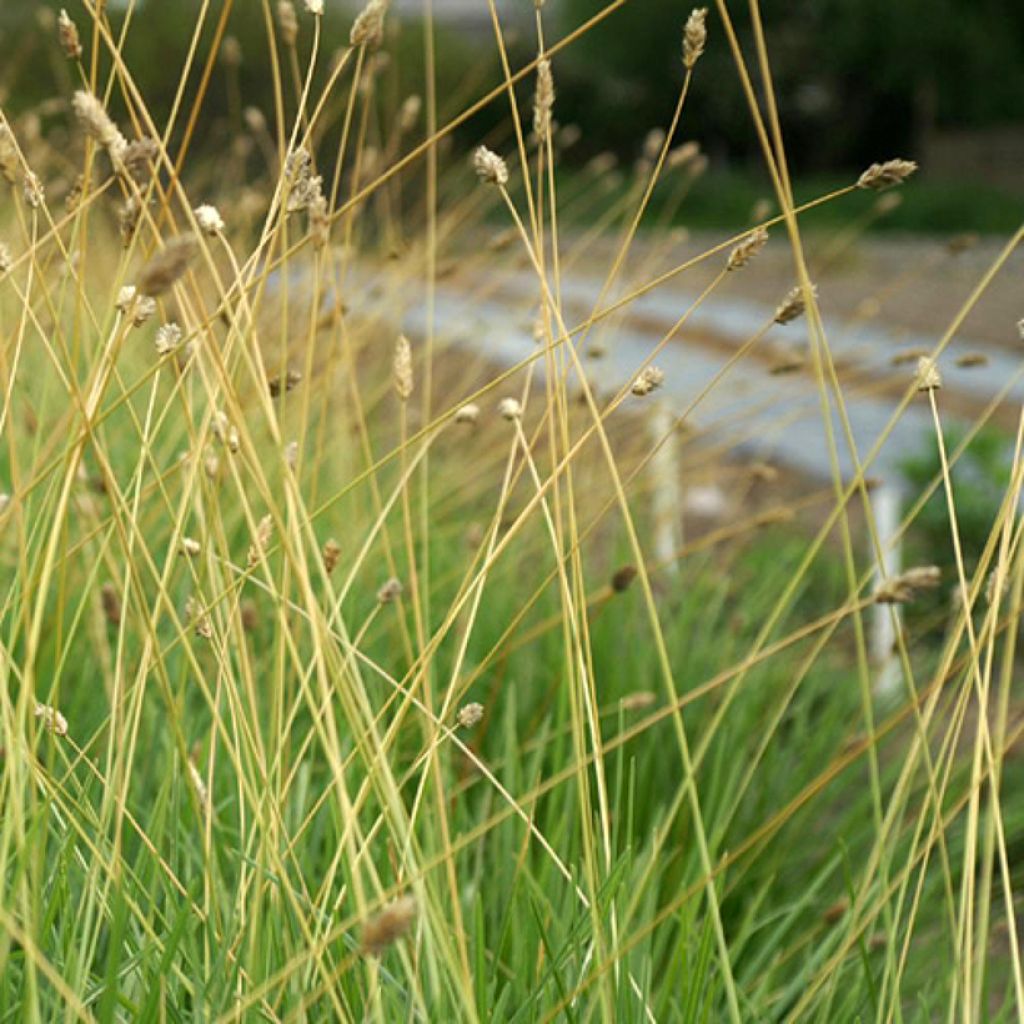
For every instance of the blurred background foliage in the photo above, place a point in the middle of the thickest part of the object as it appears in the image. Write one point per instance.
(856, 81)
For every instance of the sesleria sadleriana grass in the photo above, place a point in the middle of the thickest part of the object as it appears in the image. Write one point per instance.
(341, 678)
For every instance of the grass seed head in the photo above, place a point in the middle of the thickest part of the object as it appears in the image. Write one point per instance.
(409, 113)
(167, 266)
(98, 125)
(168, 338)
(401, 368)
(510, 409)
(390, 590)
(67, 33)
(190, 547)
(5, 259)
(264, 531)
(315, 7)
(368, 28)
(470, 715)
(287, 22)
(887, 174)
(469, 413)
(489, 167)
(9, 161)
(51, 719)
(385, 928)
(747, 249)
(623, 578)
(695, 36)
(209, 219)
(927, 377)
(543, 99)
(908, 585)
(34, 192)
(792, 306)
(649, 379)
(111, 602)
(331, 554)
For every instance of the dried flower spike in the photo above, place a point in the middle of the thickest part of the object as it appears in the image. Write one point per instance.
(5, 259)
(315, 7)
(649, 379)
(489, 167)
(927, 377)
(886, 175)
(907, 585)
(470, 715)
(402, 368)
(747, 249)
(190, 547)
(390, 591)
(51, 719)
(695, 36)
(67, 33)
(389, 925)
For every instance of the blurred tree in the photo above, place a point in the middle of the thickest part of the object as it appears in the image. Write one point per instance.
(854, 79)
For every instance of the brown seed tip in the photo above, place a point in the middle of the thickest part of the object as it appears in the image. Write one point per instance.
(907, 585)
(489, 167)
(470, 715)
(695, 36)
(623, 578)
(385, 928)
(886, 175)
(401, 368)
(747, 249)
(927, 377)
(649, 379)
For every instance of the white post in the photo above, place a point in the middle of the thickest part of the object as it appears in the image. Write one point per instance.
(666, 486)
(885, 504)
